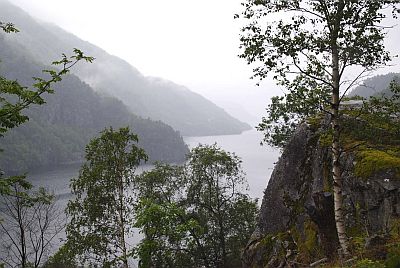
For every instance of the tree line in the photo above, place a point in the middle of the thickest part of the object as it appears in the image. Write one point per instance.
(195, 214)
(191, 215)
(311, 53)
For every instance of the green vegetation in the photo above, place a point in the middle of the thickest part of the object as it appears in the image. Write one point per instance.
(371, 161)
(285, 114)
(309, 54)
(373, 132)
(58, 131)
(308, 244)
(213, 215)
(385, 255)
(101, 214)
(372, 139)
(147, 97)
(195, 215)
(16, 99)
(29, 219)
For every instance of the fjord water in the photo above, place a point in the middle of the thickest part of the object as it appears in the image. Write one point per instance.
(257, 162)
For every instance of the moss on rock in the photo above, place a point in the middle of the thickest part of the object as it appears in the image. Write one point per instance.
(371, 161)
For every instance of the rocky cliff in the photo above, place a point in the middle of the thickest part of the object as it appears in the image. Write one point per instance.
(296, 224)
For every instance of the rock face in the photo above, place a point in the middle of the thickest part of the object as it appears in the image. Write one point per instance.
(299, 195)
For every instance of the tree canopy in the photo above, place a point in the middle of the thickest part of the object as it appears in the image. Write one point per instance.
(101, 213)
(311, 48)
(195, 215)
(296, 49)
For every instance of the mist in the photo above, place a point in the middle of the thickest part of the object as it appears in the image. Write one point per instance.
(195, 45)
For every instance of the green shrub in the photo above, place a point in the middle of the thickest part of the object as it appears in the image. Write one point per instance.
(393, 258)
(367, 263)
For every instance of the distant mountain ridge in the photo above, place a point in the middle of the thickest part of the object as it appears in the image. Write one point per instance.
(375, 85)
(149, 97)
(58, 131)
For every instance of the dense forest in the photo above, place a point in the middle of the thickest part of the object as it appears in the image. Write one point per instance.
(148, 97)
(59, 130)
(333, 199)
(376, 85)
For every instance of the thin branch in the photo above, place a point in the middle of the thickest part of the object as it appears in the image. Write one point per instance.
(352, 83)
(311, 76)
(323, 67)
(326, 14)
(353, 147)
(344, 66)
(304, 10)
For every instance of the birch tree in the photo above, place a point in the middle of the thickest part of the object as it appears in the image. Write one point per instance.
(101, 213)
(312, 46)
(30, 222)
(195, 215)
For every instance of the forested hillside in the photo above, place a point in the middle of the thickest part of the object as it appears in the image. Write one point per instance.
(156, 98)
(58, 131)
(375, 85)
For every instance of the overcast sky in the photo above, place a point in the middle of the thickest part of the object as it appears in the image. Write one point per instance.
(193, 43)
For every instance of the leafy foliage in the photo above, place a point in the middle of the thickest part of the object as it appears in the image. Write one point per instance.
(303, 42)
(16, 98)
(313, 48)
(8, 27)
(195, 215)
(102, 210)
(297, 51)
(286, 112)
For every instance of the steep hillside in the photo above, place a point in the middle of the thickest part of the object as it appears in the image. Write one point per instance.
(184, 110)
(59, 130)
(375, 85)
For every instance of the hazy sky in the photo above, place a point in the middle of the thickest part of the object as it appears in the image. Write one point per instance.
(191, 42)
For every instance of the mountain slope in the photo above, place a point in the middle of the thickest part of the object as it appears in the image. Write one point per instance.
(184, 110)
(58, 131)
(375, 85)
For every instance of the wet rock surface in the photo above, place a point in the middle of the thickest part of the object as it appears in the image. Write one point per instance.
(299, 190)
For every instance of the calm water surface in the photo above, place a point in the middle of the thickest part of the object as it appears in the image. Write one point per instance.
(258, 162)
